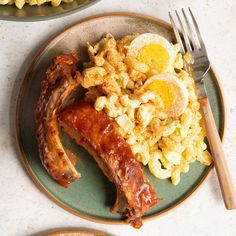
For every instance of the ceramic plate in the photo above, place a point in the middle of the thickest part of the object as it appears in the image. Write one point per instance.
(92, 195)
(77, 232)
(43, 12)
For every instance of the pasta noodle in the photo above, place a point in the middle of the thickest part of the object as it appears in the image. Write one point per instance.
(20, 3)
(166, 145)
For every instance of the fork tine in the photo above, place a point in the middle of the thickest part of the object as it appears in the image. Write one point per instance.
(192, 35)
(197, 30)
(186, 39)
(177, 35)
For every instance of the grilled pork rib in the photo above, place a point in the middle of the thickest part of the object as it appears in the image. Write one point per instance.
(97, 133)
(93, 130)
(60, 80)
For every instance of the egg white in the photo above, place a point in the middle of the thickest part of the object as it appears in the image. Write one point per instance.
(179, 107)
(149, 38)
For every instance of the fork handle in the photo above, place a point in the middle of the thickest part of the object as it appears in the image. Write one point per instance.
(218, 155)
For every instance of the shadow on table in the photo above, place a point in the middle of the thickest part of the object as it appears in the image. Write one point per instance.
(13, 102)
(14, 92)
(215, 187)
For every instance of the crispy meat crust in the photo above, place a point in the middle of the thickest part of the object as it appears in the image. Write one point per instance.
(60, 80)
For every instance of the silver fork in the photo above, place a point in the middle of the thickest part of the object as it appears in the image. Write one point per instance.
(199, 65)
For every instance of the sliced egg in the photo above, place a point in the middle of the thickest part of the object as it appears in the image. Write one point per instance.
(172, 91)
(153, 50)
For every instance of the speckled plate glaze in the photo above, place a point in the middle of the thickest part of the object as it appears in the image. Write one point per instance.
(92, 195)
(43, 12)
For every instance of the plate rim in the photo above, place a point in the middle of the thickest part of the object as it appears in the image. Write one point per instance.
(76, 230)
(44, 18)
(17, 123)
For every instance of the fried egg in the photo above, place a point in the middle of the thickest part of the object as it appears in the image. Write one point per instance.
(172, 91)
(153, 50)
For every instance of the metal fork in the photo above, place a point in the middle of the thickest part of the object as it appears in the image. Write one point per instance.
(199, 65)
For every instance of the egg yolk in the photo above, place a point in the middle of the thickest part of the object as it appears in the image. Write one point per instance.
(166, 90)
(155, 56)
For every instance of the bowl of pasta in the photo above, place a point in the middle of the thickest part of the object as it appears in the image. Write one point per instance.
(37, 10)
(132, 121)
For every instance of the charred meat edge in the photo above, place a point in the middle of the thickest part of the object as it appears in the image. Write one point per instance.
(60, 80)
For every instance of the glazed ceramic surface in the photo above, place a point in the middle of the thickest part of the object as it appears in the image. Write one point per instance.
(43, 12)
(92, 195)
(77, 232)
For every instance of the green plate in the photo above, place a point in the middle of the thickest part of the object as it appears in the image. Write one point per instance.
(92, 195)
(43, 12)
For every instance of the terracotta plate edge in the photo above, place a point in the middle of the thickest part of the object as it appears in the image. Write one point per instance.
(78, 231)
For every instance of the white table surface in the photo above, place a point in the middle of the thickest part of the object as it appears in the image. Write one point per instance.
(24, 210)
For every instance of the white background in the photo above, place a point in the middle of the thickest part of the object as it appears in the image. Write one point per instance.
(24, 210)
